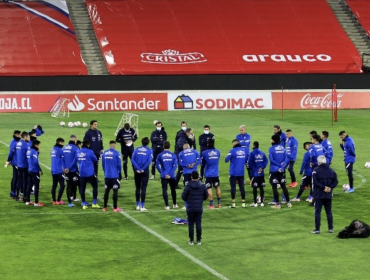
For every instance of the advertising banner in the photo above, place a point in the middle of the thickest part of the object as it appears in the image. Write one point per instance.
(218, 100)
(320, 100)
(83, 101)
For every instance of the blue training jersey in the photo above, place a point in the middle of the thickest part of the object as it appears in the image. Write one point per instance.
(244, 141)
(278, 158)
(210, 161)
(21, 153)
(12, 152)
(291, 147)
(257, 160)
(316, 150)
(238, 159)
(306, 165)
(166, 164)
(33, 161)
(111, 163)
(70, 152)
(329, 150)
(349, 150)
(85, 160)
(187, 157)
(57, 160)
(142, 158)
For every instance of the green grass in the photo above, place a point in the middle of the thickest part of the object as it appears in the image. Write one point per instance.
(56, 242)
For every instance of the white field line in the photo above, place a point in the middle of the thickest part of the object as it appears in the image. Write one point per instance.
(162, 238)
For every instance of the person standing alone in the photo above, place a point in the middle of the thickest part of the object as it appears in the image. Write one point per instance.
(194, 194)
(95, 138)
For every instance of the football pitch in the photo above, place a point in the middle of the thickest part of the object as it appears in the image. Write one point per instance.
(57, 242)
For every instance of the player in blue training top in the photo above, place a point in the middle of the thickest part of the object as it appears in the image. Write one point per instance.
(203, 142)
(245, 141)
(12, 159)
(238, 160)
(158, 137)
(348, 146)
(72, 177)
(34, 173)
(58, 166)
(257, 162)
(86, 161)
(141, 160)
(306, 170)
(210, 160)
(22, 164)
(166, 164)
(126, 137)
(327, 146)
(316, 150)
(278, 162)
(112, 167)
(189, 159)
(291, 145)
(282, 135)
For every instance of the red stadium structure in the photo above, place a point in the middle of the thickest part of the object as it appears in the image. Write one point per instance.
(361, 9)
(223, 37)
(37, 40)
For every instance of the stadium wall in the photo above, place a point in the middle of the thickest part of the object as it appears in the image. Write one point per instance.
(177, 100)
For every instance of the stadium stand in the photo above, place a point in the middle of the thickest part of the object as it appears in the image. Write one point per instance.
(361, 9)
(37, 39)
(233, 37)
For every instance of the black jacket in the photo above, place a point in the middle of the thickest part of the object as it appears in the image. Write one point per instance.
(194, 194)
(203, 141)
(158, 138)
(96, 140)
(323, 176)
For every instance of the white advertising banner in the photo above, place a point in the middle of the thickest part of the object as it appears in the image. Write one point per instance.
(218, 100)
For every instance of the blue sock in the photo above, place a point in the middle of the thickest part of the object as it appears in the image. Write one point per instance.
(94, 201)
(186, 204)
(218, 200)
(137, 203)
(142, 204)
(283, 197)
(211, 202)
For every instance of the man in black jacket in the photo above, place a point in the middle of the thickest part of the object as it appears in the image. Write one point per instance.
(324, 180)
(158, 137)
(126, 137)
(194, 194)
(203, 141)
(95, 137)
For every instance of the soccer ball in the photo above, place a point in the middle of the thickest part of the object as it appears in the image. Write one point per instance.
(367, 164)
(78, 123)
(70, 124)
(155, 122)
(345, 187)
(62, 123)
(84, 124)
(75, 123)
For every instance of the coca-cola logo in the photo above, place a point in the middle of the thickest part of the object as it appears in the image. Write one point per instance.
(309, 101)
(173, 57)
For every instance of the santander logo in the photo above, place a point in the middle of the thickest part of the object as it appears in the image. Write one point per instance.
(320, 102)
(172, 57)
(76, 104)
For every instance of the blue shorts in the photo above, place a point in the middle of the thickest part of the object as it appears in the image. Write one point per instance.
(212, 181)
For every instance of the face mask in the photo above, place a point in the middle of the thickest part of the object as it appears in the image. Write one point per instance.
(159, 128)
(206, 131)
(183, 128)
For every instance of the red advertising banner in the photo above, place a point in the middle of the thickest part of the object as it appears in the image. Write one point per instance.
(308, 100)
(110, 101)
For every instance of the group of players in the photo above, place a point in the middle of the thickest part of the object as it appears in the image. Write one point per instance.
(77, 164)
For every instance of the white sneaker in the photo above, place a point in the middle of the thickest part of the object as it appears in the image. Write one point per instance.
(143, 209)
(296, 199)
(262, 205)
(183, 208)
(253, 205)
(309, 199)
(167, 207)
(152, 177)
(27, 203)
(77, 199)
(137, 207)
(175, 206)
